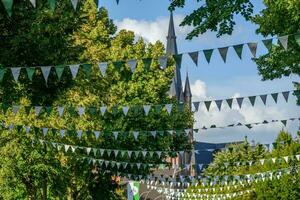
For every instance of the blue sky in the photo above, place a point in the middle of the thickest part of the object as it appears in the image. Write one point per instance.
(149, 19)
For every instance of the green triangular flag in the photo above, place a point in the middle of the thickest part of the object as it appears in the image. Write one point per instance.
(2, 72)
(178, 59)
(87, 69)
(223, 52)
(114, 110)
(118, 65)
(268, 43)
(92, 110)
(207, 104)
(252, 47)
(59, 71)
(27, 109)
(30, 72)
(208, 54)
(52, 4)
(229, 102)
(8, 4)
(5, 108)
(297, 38)
(252, 100)
(48, 110)
(147, 63)
(239, 50)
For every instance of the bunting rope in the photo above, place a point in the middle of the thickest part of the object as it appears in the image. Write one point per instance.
(132, 63)
(158, 108)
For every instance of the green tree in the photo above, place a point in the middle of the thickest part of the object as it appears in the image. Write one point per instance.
(40, 37)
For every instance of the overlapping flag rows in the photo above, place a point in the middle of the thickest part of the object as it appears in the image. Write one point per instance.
(115, 109)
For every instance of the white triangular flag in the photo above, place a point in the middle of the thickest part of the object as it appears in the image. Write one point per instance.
(132, 65)
(74, 70)
(73, 148)
(79, 134)
(262, 161)
(45, 131)
(15, 109)
(115, 133)
(97, 134)
(81, 111)
(103, 110)
(88, 150)
(125, 110)
(135, 135)
(169, 108)
(33, 2)
(153, 133)
(103, 67)
(147, 109)
(37, 110)
(163, 62)
(60, 110)
(74, 3)
(46, 71)
(15, 72)
(284, 41)
(286, 158)
(67, 147)
(62, 133)
(27, 129)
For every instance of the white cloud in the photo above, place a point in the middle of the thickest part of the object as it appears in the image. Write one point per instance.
(153, 30)
(198, 90)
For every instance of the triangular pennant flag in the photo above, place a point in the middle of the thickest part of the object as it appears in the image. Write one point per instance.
(97, 134)
(132, 64)
(284, 122)
(169, 108)
(229, 102)
(2, 72)
(146, 109)
(30, 72)
(116, 134)
(207, 104)
(88, 150)
(264, 98)
(74, 3)
(298, 157)
(45, 131)
(81, 111)
(178, 59)
(248, 126)
(268, 43)
(284, 41)
(208, 54)
(223, 52)
(297, 38)
(147, 63)
(52, 4)
(239, 50)
(15, 72)
(73, 148)
(196, 105)
(275, 96)
(66, 147)
(46, 71)
(219, 104)
(194, 57)
(79, 133)
(62, 133)
(37, 110)
(8, 4)
(74, 70)
(153, 133)
(240, 101)
(135, 135)
(274, 160)
(103, 110)
(286, 95)
(125, 110)
(27, 129)
(15, 109)
(253, 47)
(87, 68)
(262, 161)
(163, 62)
(103, 67)
(60, 110)
(59, 71)
(252, 100)
(286, 158)
(117, 1)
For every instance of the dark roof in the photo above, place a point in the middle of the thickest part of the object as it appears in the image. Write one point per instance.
(187, 87)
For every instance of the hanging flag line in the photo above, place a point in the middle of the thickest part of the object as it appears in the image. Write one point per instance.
(132, 63)
(147, 109)
(199, 190)
(117, 134)
(115, 153)
(109, 152)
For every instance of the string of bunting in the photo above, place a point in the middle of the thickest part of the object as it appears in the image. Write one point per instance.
(132, 63)
(8, 4)
(158, 108)
(117, 134)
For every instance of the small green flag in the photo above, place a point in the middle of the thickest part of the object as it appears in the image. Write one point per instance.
(239, 50)
(118, 65)
(208, 54)
(30, 72)
(268, 43)
(178, 59)
(59, 71)
(87, 69)
(5, 108)
(52, 4)
(27, 109)
(147, 63)
(2, 72)
(297, 38)
(48, 110)
(8, 4)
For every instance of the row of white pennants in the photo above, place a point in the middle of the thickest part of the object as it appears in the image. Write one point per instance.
(115, 153)
(116, 135)
(95, 111)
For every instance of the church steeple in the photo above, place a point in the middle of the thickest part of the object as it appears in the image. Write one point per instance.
(187, 91)
(172, 50)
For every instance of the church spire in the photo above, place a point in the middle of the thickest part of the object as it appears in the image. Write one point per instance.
(172, 50)
(187, 92)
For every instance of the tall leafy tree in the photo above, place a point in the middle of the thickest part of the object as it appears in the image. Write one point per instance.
(42, 37)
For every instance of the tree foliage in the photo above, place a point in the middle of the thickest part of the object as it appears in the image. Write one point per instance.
(214, 15)
(41, 37)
